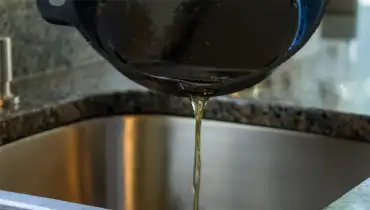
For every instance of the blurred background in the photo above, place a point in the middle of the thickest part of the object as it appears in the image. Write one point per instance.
(332, 71)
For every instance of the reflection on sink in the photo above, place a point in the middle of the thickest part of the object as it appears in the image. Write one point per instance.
(145, 162)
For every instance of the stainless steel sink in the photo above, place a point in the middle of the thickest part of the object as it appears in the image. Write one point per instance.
(145, 163)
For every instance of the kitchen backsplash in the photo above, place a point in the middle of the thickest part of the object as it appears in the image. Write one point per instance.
(39, 46)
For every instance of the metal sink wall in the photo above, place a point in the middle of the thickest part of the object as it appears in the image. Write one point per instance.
(145, 163)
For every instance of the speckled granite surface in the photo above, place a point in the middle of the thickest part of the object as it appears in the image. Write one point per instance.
(66, 97)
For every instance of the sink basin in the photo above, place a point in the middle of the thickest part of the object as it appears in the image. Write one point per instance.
(145, 163)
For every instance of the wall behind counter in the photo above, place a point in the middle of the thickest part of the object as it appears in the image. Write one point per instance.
(38, 46)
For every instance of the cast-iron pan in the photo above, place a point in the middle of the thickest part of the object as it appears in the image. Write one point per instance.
(137, 36)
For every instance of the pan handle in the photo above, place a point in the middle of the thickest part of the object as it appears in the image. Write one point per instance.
(59, 12)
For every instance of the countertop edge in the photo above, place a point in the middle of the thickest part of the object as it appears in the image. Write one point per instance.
(25, 122)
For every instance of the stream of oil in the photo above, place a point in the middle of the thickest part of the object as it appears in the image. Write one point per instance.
(198, 103)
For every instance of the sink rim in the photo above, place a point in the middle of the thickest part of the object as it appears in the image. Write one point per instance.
(53, 113)
(187, 120)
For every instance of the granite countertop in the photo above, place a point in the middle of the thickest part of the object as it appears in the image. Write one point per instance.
(61, 98)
